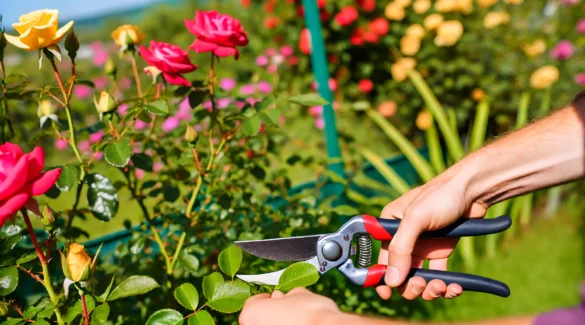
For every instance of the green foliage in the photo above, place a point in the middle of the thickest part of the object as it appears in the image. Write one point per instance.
(230, 260)
(100, 314)
(67, 178)
(297, 275)
(133, 286)
(165, 317)
(8, 280)
(118, 153)
(187, 296)
(201, 318)
(102, 197)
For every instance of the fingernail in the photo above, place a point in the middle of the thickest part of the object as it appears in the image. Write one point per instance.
(435, 295)
(417, 290)
(394, 276)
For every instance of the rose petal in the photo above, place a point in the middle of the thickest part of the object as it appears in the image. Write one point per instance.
(17, 42)
(15, 179)
(36, 163)
(227, 51)
(175, 79)
(11, 206)
(43, 182)
(200, 46)
(33, 206)
(62, 31)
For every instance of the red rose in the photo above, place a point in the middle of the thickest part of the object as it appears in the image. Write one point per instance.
(216, 33)
(367, 5)
(357, 37)
(300, 11)
(346, 16)
(365, 85)
(22, 178)
(269, 6)
(271, 22)
(321, 4)
(379, 26)
(171, 60)
(305, 41)
(324, 15)
(246, 3)
(370, 37)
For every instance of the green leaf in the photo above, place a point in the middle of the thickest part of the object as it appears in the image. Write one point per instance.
(85, 82)
(8, 244)
(165, 317)
(229, 297)
(40, 322)
(118, 153)
(308, 100)
(190, 262)
(30, 256)
(187, 296)
(196, 97)
(480, 124)
(8, 280)
(104, 296)
(300, 274)
(202, 317)
(14, 321)
(102, 197)
(31, 311)
(230, 260)
(100, 314)
(67, 178)
(133, 286)
(251, 126)
(210, 282)
(270, 117)
(258, 172)
(142, 161)
(345, 210)
(158, 107)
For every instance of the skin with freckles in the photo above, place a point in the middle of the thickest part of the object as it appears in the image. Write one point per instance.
(546, 153)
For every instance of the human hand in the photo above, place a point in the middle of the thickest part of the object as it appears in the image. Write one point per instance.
(299, 306)
(432, 206)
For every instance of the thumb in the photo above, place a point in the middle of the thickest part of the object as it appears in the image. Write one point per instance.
(400, 251)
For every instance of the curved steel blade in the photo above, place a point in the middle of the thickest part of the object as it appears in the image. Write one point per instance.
(282, 249)
(273, 277)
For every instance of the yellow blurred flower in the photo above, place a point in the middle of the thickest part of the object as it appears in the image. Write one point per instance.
(544, 77)
(409, 45)
(105, 103)
(514, 2)
(535, 48)
(38, 29)
(487, 3)
(78, 263)
(448, 33)
(424, 120)
(128, 35)
(496, 18)
(399, 68)
(394, 11)
(465, 6)
(477, 94)
(46, 107)
(403, 3)
(421, 6)
(387, 108)
(415, 30)
(446, 5)
(433, 21)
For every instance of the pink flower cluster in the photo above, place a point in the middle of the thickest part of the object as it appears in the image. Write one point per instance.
(272, 58)
(563, 51)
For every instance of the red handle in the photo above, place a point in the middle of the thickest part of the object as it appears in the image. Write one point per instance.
(375, 229)
(375, 275)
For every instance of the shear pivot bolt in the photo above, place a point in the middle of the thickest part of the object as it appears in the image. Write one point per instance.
(331, 251)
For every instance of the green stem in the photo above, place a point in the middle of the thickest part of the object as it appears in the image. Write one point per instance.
(4, 108)
(136, 76)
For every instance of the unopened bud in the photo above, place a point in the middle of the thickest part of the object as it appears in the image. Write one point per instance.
(110, 68)
(46, 111)
(48, 214)
(77, 265)
(4, 308)
(72, 45)
(191, 135)
(105, 103)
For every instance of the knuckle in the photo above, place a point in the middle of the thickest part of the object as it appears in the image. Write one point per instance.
(394, 250)
(299, 290)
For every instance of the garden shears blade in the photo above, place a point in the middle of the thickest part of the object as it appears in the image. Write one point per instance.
(326, 252)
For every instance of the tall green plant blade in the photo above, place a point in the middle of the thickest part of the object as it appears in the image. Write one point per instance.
(515, 208)
(435, 151)
(397, 182)
(422, 167)
(522, 117)
(452, 119)
(480, 125)
(491, 242)
(451, 137)
(526, 210)
(467, 250)
(553, 201)
(545, 103)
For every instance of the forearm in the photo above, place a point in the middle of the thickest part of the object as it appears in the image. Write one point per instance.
(350, 319)
(546, 153)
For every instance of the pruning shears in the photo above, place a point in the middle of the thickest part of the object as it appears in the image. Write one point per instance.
(329, 251)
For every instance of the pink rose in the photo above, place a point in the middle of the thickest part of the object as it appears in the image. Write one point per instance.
(140, 125)
(84, 146)
(125, 83)
(580, 79)
(22, 178)
(581, 26)
(82, 91)
(216, 33)
(272, 68)
(264, 87)
(170, 124)
(320, 123)
(95, 137)
(227, 84)
(100, 82)
(261, 61)
(248, 89)
(171, 60)
(157, 166)
(316, 110)
(61, 144)
(563, 51)
(123, 109)
(286, 50)
(270, 51)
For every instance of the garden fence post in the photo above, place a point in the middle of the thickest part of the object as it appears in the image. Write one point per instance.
(321, 72)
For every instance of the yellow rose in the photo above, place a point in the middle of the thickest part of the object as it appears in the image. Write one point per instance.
(495, 18)
(400, 68)
(487, 3)
(394, 11)
(79, 264)
(421, 6)
(535, 48)
(128, 35)
(424, 120)
(477, 94)
(465, 6)
(38, 30)
(446, 5)
(415, 30)
(544, 77)
(514, 2)
(403, 3)
(448, 33)
(409, 45)
(433, 21)
(46, 107)
(105, 103)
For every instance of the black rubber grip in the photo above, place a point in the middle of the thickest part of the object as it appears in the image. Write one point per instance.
(468, 282)
(462, 228)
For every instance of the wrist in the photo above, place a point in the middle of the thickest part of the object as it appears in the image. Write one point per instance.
(338, 318)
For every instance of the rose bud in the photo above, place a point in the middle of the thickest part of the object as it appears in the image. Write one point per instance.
(105, 103)
(72, 45)
(46, 111)
(110, 68)
(191, 135)
(4, 308)
(77, 266)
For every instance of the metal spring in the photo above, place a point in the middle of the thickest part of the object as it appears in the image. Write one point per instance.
(365, 250)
